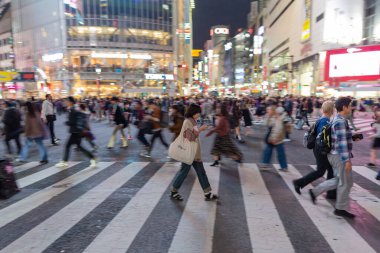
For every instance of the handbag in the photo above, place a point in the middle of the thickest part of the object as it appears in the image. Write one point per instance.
(51, 117)
(182, 149)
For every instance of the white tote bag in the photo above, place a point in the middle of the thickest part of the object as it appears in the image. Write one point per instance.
(182, 149)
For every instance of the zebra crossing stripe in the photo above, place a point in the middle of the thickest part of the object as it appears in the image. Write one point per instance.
(23, 206)
(100, 216)
(337, 232)
(24, 182)
(365, 199)
(258, 206)
(48, 231)
(25, 167)
(367, 173)
(196, 226)
(122, 230)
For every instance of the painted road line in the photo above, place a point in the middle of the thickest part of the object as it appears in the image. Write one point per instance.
(259, 207)
(367, 173)
(122, 230)
(337, 232)
(23, 182)
(51, 229)
(25, 166)
(23, 206)
(196, 227)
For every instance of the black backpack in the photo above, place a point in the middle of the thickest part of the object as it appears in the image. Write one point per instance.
(8, 185)
(311, 136)
(323, 143)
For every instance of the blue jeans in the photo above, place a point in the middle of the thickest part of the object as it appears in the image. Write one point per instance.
(280, 154)
(41, 148)
(201, 173)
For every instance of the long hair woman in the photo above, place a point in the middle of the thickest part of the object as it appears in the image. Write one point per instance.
(191, 132)
(34, 132)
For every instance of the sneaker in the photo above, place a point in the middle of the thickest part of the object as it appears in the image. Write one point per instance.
(176, 196)
(371, 165)
(62, 164)
(264, 166)
(145, 154)
(216, 163)
(378, 177)
(344, 213)
(287, 140)
(210, 196)
(283, 169)
(93, 163)
(44, 162)
(130, 138)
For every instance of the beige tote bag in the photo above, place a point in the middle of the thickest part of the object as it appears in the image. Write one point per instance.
(182, 149)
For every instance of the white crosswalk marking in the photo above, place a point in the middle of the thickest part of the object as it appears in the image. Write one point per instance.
(337, 232)
(51, 229)
(197, 222)
(364, 198)
(133, 216)
(26, 166)
(367, 173)
(23, 206)
(23, 182)
(259, 205)
(195, 229)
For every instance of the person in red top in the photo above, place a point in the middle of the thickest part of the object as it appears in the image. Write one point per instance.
(223, 144)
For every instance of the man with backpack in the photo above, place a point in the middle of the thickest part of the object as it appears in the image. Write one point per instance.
(77, 123)
(340, 160)
(120, 123)
(321, 159)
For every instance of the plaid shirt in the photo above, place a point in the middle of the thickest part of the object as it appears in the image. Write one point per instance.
(341, 138)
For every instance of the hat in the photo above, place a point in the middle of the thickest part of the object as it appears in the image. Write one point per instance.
(280, 110)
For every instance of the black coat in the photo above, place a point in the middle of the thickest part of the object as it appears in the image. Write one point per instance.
(77, 121)
(12, 121)
(118, 116)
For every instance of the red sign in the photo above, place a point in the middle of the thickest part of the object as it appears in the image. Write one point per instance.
(356, 63)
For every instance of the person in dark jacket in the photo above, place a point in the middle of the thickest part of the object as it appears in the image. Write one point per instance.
(120, 124)
(12, 126)
(77, 123)
(176, 120)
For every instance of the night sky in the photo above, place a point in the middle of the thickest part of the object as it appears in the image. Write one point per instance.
(218, 12)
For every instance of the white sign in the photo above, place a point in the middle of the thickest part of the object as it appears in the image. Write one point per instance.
(355, 64)
(159, 77)
(52, 57)
(140, 56)
(228, 46)
(221, 30)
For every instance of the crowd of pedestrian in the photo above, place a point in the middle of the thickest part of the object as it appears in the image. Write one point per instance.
(186, 118)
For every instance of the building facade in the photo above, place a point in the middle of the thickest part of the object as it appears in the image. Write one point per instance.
(95, 48)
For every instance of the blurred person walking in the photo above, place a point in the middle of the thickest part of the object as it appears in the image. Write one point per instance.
(48, 116)
(223, 145)
(117, 114)
(34, 132)
(191, 132)
(12, 126)
(77, 123)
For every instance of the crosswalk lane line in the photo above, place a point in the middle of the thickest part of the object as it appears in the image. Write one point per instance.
(122, 230)
(25, 167)
(196, 227)
(364, 198)
(337, 232)
(23, 206)
(25, 181)
(259, 206)
(47, 232)
(367, 173)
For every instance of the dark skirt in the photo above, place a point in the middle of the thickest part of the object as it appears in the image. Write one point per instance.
(223, 145)
(376, 143)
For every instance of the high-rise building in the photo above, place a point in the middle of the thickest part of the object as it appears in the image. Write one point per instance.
(95, 47)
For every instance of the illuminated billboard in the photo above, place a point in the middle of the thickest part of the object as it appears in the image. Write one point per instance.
(358, 63)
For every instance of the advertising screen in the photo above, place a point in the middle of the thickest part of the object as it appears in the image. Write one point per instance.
(359, 63)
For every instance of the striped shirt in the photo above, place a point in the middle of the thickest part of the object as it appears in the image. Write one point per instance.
(341, 138)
